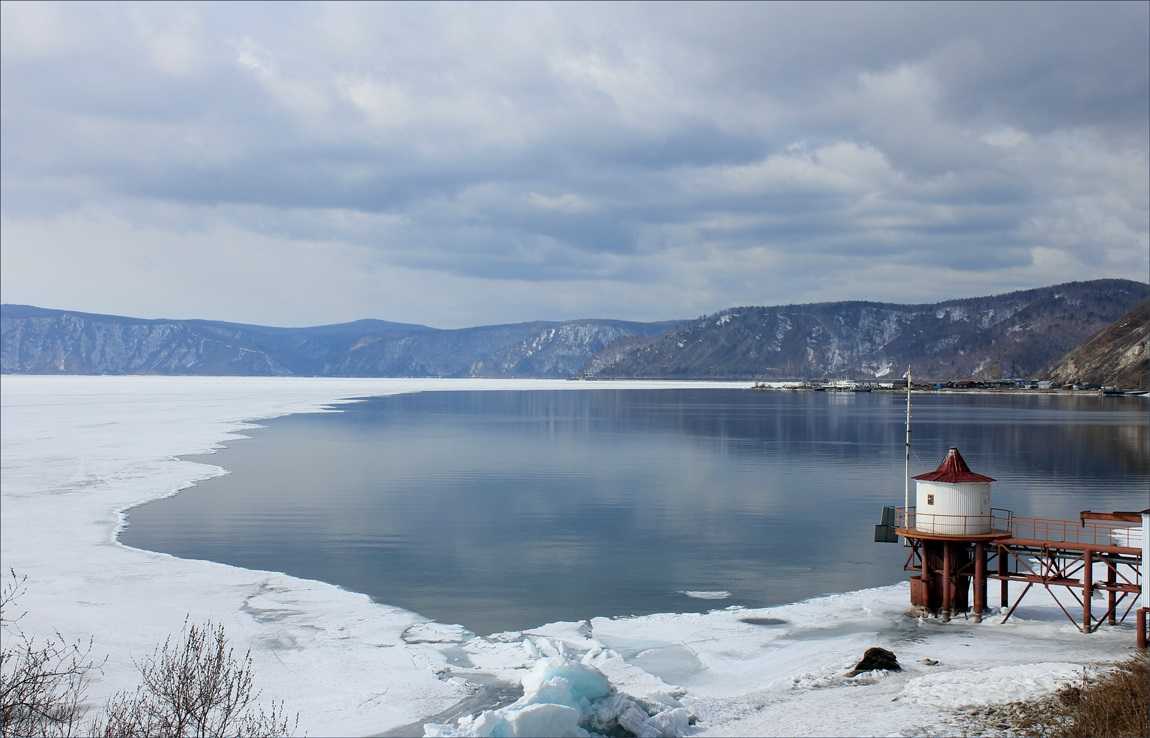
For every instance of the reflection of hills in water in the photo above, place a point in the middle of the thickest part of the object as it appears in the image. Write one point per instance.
(503, 510)
(1081, 436)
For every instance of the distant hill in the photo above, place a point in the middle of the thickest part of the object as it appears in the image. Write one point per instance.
(41, 341)
(1016, 334)
(1118, 355)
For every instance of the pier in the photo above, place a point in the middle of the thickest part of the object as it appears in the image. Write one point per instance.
(957, 543)
(1060, 555)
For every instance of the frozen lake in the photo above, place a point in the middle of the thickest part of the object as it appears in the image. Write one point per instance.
(502, 510)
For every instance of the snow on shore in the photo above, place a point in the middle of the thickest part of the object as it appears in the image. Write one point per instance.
(782, 670)
(76, 451)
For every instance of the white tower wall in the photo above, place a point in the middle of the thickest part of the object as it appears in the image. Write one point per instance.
(953, 509)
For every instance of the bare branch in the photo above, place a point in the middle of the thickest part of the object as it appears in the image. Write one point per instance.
(43, 682)
(197, 686)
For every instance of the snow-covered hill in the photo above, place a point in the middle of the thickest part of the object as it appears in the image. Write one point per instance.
(42, 341)
(1013, 335)
(1016, 334)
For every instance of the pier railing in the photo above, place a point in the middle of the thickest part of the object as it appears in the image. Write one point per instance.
(1074, 531)
(1006, 523)
(999, 521)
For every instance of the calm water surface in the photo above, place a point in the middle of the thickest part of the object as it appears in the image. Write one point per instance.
(508, 509)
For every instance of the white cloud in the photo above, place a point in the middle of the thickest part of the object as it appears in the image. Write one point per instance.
(838, 167)
(1005, 138)
(29, 30)
(567, 202)
(302, 97)
(171, 36)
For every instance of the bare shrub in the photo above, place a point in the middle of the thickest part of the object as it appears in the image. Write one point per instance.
(43, 682)
(197, 686)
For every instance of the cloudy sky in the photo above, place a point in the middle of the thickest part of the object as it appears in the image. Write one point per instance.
(466, 164)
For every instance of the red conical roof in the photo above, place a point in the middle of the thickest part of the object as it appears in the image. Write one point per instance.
(953, 470)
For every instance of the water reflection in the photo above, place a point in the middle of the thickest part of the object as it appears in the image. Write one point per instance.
(503, 510)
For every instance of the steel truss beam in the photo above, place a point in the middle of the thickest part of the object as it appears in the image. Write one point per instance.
(1071, 569)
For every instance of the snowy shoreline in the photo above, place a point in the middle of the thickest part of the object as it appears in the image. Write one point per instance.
(79, 451)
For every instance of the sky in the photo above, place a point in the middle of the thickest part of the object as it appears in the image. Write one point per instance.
(458, 165)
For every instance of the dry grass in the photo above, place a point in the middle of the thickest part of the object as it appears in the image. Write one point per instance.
(1113, 704)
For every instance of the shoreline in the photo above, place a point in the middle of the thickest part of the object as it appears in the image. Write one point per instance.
(318, 645)
(281, 605)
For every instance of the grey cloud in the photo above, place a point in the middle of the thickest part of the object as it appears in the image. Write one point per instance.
(717, 148)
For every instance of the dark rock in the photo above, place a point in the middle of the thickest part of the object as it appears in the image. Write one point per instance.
(875, 659)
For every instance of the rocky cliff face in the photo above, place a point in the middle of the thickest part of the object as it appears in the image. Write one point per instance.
(40, 341)
(1118, 355)
(1015, 334)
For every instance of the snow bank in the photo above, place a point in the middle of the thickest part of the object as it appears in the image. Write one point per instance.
(783, 670)
(992, 686)
(76, 451)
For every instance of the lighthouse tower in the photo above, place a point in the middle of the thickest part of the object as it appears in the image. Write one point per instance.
(952, 500)
(949, 529)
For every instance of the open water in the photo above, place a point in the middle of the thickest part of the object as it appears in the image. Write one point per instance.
(503, 510)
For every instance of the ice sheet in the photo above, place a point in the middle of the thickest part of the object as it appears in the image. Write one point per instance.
(566, 695)
(76, 451)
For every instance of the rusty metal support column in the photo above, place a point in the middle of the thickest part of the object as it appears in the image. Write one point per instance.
(1111, 583)
(1087, 589)
(1140, 622)
(947, 571)
(1003, 582)
(979, 580)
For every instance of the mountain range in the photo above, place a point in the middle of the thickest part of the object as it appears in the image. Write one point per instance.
(42, 341)
(1018, 334)
(1015, 334)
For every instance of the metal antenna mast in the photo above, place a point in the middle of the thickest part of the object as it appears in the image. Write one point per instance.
(906, 474)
